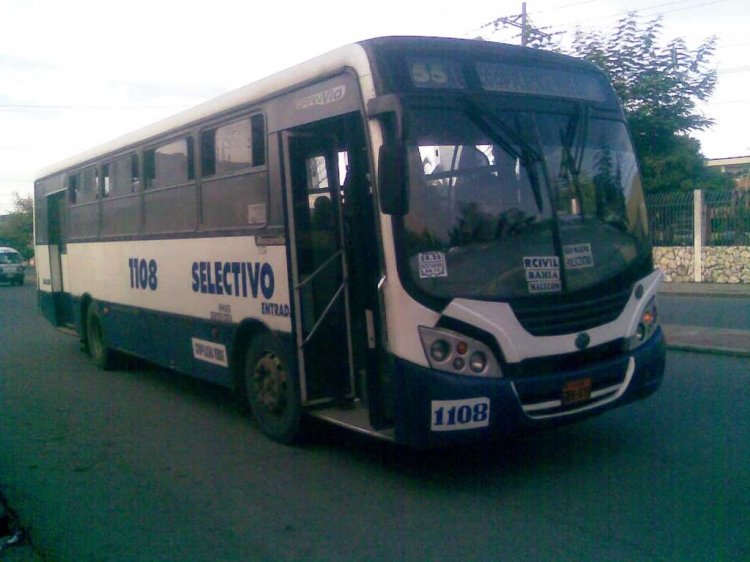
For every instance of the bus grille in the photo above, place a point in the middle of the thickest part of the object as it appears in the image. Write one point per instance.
(570, 315)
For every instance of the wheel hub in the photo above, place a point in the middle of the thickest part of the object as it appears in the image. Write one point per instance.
(270, 382)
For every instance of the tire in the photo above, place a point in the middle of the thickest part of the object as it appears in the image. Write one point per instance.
(96, 340)
(271, 389)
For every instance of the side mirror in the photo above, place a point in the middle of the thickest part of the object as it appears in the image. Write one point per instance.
(392, 179)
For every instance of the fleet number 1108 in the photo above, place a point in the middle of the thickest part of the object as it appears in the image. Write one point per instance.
(452, 415)
(143, 274)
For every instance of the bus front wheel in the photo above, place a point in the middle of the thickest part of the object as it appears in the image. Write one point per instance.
(97, 346)
(271, 389)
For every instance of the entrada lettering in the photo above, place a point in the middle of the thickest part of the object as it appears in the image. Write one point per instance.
(274, 309)
(235, 278)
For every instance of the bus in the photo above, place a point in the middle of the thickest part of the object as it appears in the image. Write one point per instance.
(431, 241)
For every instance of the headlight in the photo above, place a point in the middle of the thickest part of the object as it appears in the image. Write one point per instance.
(439, 350)
(647, 325)
(453, 352)
(478, 361)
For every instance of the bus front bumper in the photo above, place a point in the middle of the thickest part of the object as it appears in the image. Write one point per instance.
(435, 408)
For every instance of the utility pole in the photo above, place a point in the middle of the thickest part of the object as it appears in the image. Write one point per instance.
(520, 21)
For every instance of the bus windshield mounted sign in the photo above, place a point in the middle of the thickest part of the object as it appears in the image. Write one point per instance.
(535, 80)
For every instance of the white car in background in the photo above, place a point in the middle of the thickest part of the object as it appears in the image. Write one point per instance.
(12, 269)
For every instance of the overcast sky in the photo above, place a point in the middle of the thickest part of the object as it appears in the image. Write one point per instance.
(76, 73)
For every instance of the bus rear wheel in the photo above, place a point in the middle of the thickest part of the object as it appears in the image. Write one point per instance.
(271, 389)
(95, 338)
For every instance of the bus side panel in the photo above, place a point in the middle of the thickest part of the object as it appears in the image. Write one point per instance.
(177, 302)
(173, 341)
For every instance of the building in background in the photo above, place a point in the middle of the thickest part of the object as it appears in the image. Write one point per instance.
(738, 167)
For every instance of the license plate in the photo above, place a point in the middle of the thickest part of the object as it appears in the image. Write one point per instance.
(575, 391)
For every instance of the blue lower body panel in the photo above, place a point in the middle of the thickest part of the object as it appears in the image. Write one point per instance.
(435, 408)
(164, 339)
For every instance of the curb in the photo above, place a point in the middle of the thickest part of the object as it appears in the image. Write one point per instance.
(733, 290)
(719, 341)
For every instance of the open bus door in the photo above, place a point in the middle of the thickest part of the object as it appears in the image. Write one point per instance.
(334, 273)
(323, 332)
(56, 223)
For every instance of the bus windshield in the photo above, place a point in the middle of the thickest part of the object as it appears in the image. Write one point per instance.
(506, 204)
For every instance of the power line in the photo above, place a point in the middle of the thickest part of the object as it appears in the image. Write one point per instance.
(12, 107)
(573, 24)
(734, 69)
(578, 23)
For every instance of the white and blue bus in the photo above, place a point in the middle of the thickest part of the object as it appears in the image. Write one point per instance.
(427, 240)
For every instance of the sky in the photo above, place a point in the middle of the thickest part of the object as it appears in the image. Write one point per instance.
(78, 73)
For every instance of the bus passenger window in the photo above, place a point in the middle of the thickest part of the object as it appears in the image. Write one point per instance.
(258, 140)
(74, 186)
(135, 182)
(89, 185)
(208, 156)
(106, 182)
(233, 147)
(120, 177)
(169, 164)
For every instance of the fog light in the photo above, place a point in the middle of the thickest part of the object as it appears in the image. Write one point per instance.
(640, 333)
(478, 361)
(439, 350)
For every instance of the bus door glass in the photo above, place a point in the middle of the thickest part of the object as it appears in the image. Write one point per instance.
(318, 268)
(56, 205)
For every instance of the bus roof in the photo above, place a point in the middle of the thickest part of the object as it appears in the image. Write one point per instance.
(353, 56)
(350, 56)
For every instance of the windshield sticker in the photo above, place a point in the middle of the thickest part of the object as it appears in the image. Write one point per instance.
(578, 256)
(542, 274)
(432, 264)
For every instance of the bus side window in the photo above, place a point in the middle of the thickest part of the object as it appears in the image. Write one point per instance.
(258, 126)
(74, 186)
(169, 164)
(135, 182)
(106, 185)
(234, 186)
(88, 185)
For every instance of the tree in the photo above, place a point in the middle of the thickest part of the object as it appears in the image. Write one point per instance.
(17, 228)
(659, 86)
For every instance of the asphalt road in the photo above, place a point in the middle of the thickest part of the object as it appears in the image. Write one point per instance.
(712, 311)
(141, 464)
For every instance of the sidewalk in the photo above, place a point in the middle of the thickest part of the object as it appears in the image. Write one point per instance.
(741, 290)
(703, 339)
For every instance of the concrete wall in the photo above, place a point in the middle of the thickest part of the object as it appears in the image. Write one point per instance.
(730, 264)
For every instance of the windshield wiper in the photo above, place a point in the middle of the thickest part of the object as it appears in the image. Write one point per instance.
(506, 137)
(572, 160)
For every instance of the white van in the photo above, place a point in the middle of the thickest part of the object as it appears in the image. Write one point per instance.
(12, 269)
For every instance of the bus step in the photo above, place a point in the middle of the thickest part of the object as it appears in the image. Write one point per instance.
(355, 418)
(67, 329)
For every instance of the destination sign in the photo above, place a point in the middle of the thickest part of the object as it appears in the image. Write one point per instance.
(535, 80)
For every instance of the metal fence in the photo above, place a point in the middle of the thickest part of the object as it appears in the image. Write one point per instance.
(724, 218)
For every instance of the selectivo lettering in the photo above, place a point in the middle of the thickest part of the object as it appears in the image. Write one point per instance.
(239, 279)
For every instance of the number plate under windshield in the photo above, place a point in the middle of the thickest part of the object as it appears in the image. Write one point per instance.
(575, 391)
